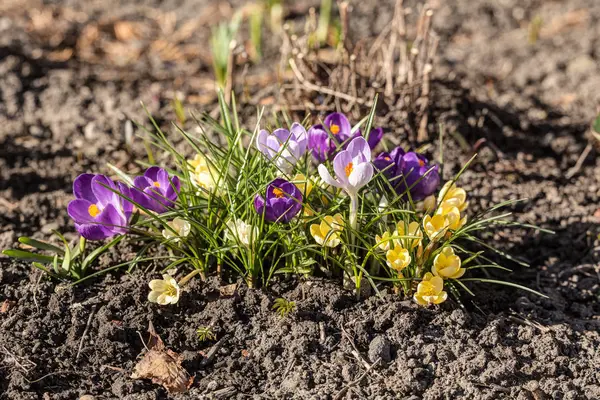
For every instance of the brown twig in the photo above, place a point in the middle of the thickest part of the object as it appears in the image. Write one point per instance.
(577, 167)
(85, 331)
(324, 90)
(357, 380)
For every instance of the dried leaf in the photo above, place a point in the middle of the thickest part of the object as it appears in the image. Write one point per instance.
(228, 290)
(6, 306)
(162, 366)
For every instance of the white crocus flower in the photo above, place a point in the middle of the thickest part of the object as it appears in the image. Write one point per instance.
(179, 225)
(164, 291)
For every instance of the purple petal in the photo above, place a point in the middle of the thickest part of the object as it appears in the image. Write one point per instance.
(300, 137)
(141, 182)
(82, 187)
(282, 135)
(318, 142)
(78, 211)
(261, 141)
(359, 150)
(397, 155)
(126, 205)
(273, 146)
(101, 187)
(259, 204)
(152, 173)
(112, 219)
(172, 191)
(375, 137)
(93, 231)
(162, 177)
(340, 120)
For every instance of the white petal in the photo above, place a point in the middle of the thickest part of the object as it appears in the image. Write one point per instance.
(361, 175)
(326, 176)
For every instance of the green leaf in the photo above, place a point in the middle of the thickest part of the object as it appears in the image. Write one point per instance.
(41, 245)
(124, 177)
(515, 285)
(27, 256)
(96, 253)
(66, 264)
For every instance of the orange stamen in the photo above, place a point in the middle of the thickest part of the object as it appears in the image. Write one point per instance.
(278, 193)
(93, 210)
(349, 168)
(421, 163)
(156, 184)
(335, 129)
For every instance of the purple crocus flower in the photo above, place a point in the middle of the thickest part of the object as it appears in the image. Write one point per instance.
(323, 146)
(155, 190)
(352, 167)
(98, 211)
(283, 201)
(409, 171)
(284, 147)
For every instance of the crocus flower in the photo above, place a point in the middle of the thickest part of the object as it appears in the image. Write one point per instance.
(164, 291)
(239, 231)
(430, 290)
(409, 172)
(352, 167)
(412, 229)
(452, 215)
(181, 228)
(427, 205)
(305, 185)
(453, 195)
(323, 146)
(398, 258)
(436, 226)
(98, 211)
(283, 201)
(203, 175)
(155, 190)
(327, 233)
(283, 147)
(447, 264)
(384, 241)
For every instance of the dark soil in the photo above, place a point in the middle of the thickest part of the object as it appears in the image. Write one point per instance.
(532, 102)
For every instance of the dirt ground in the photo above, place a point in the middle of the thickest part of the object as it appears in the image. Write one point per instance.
(523, 75)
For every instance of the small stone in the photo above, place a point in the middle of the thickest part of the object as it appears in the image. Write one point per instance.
(380, 348)
(212, 386)
(87, 397)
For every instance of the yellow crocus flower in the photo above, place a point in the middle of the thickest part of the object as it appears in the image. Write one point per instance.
(327, 233)
(303, 184)
(455, 196)
(398, 258)
(435, 227)
(384, 241)
(430, 290)
(203, 175)
(413, 230)
(427, 205)
(452, 214)
(447, 265)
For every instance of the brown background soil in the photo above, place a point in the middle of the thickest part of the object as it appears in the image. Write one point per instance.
(61, 116)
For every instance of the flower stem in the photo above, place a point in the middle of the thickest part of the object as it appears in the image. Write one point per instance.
(353, 214)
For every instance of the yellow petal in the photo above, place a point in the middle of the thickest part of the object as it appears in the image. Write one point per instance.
(158, 284)
(153, 296)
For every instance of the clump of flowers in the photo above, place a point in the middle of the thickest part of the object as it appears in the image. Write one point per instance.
(261, 206)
